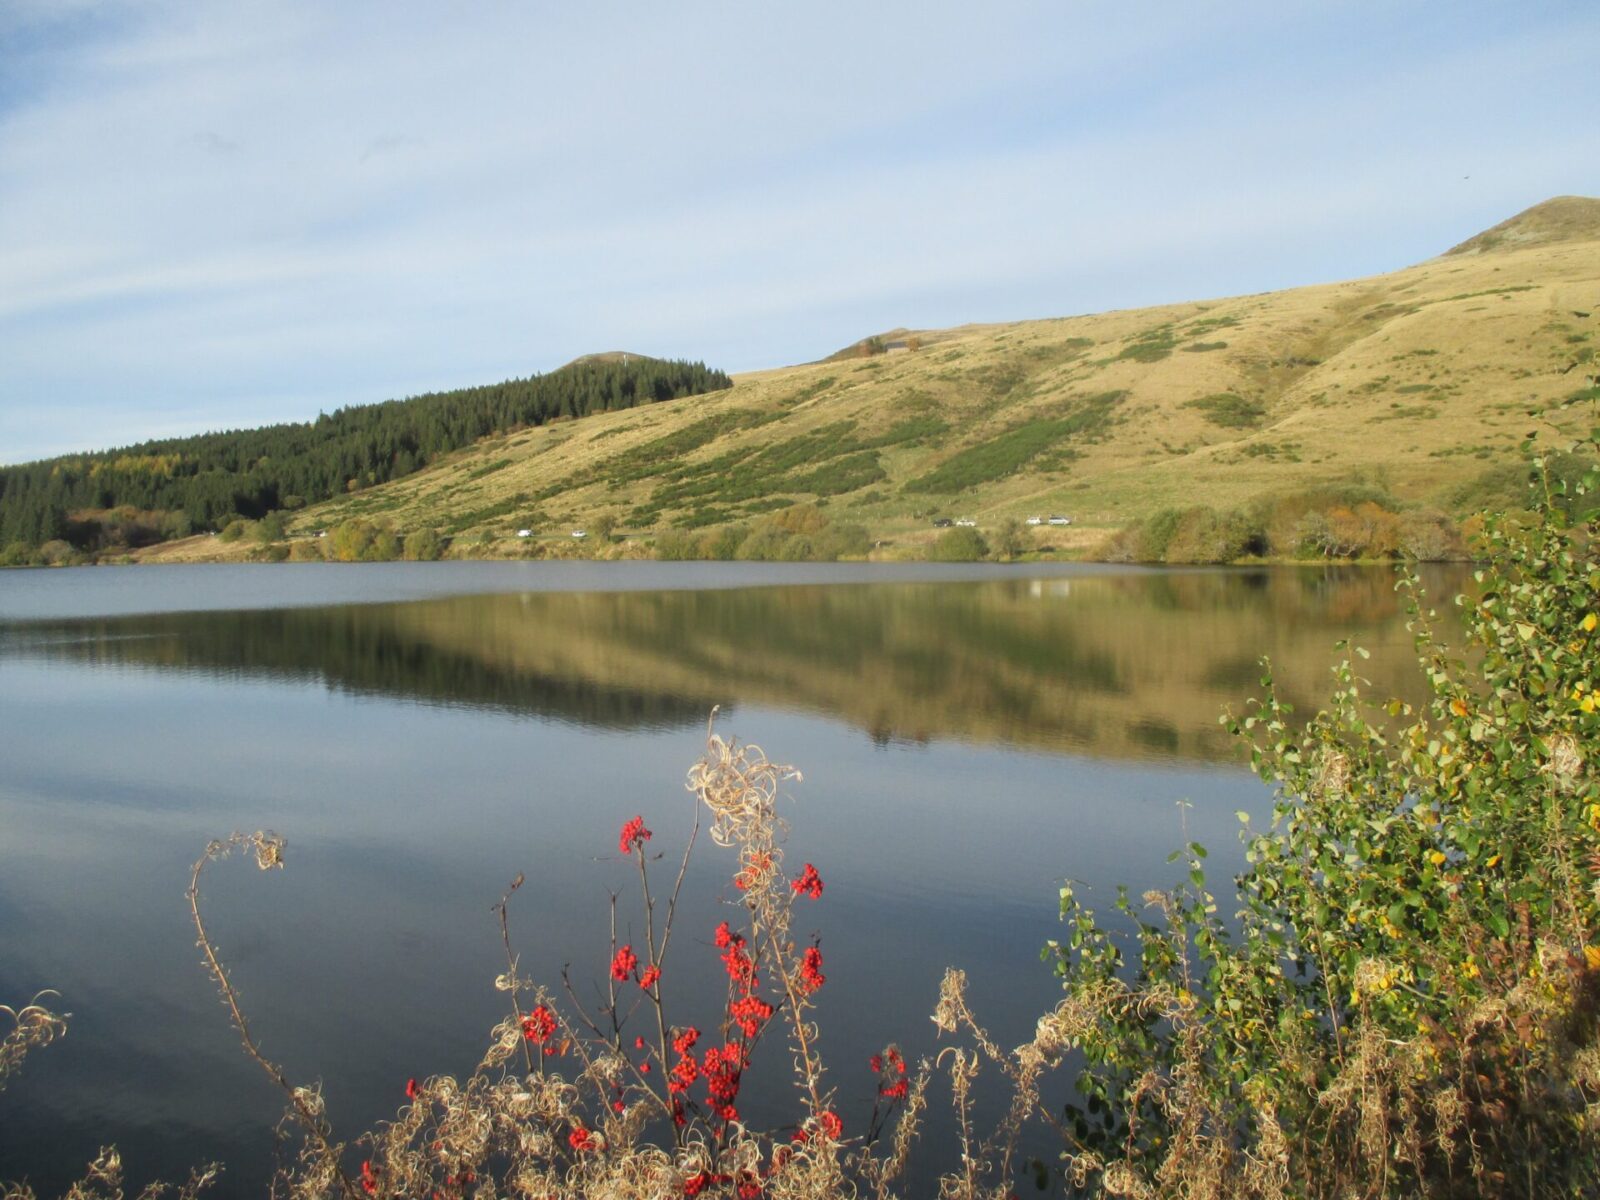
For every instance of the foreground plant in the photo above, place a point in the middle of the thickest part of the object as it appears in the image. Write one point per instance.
(1407, 1002)
(32, 1026)
(620, 1098)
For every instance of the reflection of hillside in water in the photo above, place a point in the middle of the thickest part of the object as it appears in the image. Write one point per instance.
(1131, 665)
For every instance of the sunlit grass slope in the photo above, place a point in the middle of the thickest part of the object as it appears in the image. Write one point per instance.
(1419, 381)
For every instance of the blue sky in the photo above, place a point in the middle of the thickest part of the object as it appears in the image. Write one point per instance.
(224, 214)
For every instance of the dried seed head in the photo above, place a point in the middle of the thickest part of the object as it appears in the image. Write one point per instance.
(1564, 765)
(268, 848)
(1333, 774)
(740, 787)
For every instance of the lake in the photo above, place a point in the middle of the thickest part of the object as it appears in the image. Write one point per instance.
(421, 733)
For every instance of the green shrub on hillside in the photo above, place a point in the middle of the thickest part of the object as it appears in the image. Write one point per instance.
(1151, 346)
(1008, 452)
(1229, 410)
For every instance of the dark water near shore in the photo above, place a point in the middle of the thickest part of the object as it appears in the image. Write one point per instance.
(421, 733)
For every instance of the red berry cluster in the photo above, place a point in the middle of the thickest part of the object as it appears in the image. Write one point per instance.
(539, 1025)
(580, 1139)
(828, 1125)
(722, 1066)
(809, 883)
(811, 976)
(740, 966)
(890, 1068)
(369, 1178)
(624, 963)
(633, 834)
(750, 1013)
(686, 1070)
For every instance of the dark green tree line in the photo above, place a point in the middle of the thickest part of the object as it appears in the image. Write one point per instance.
(213, 477)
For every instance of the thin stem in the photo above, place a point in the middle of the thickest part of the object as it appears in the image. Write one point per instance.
(302, 1110)
(511, 968)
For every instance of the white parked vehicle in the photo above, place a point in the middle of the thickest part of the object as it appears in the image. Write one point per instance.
(524, 533)
(1061, 520)
(1035, 520)
(578, 533)
(967, 523)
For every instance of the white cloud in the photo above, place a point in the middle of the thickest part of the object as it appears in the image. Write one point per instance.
(280, 206)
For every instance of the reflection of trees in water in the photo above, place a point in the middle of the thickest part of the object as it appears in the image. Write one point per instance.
(1134, 664)
(360, 650)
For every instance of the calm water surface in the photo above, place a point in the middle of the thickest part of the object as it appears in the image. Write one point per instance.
(421, 733)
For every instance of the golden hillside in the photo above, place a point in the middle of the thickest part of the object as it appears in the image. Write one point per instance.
(1419, 381)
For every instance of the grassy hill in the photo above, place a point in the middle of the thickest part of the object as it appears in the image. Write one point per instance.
(1418, 382)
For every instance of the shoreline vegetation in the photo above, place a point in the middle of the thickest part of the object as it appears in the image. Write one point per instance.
(1349, 525)
(1355, 523)
(1398, 996)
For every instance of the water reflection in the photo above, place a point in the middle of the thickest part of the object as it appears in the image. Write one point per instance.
(965, 745)
(1131, 665)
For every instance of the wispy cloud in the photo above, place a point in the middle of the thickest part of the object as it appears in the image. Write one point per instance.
(214, 143)
(258, 209)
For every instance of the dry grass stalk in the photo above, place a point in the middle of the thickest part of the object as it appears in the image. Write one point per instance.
(32, 1026)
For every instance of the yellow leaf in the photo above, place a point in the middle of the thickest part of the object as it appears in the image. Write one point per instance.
(1459, 707)
(1436, 858)
(1591, 955)
(1589, 622)
(1494, 861)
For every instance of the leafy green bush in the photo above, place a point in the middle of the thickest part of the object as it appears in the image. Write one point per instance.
(271, 528)
(765, 544)
(722, 545)
(361, 540)
(1203, 535)
(17, 554)
(677, 545)
(424, 545)
(958, 545)
(1406, 1003)
(1013, 540)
